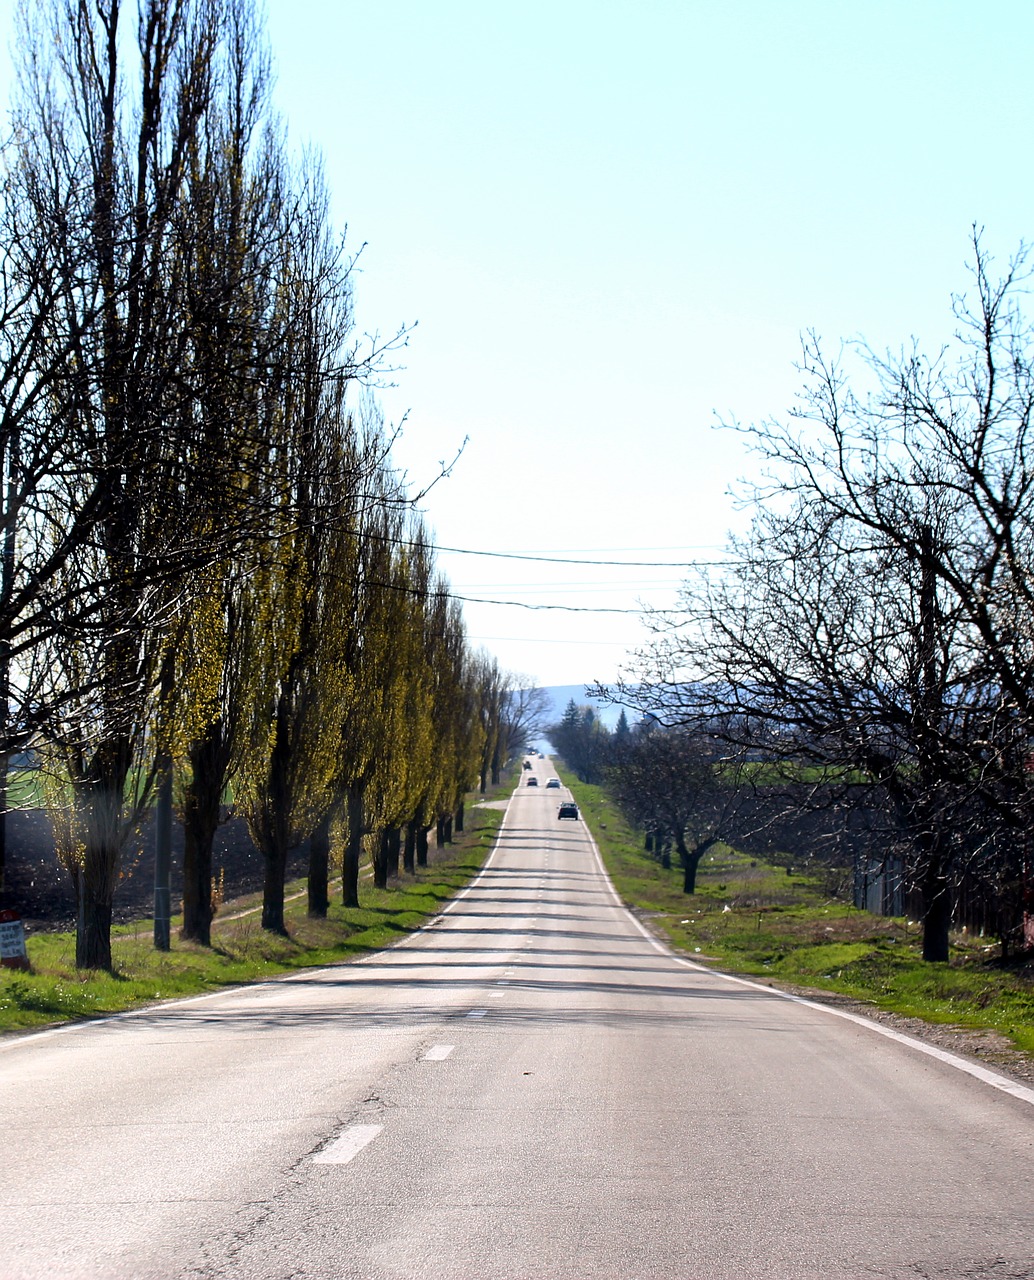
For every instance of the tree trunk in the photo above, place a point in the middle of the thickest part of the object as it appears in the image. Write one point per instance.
(163, 856)
(199, 827)
(202, 798)
(448, 828)
(394, 837)
(380, 861)
(4, 772)
(936, 918)
(163, 822)
(690, 862)
(100, 795)
(93, 932)
(319, 867)
(353, 848)
(275, 825)
(439, 833)
(96, 893)
(409, 850)
(460, 815)
(421, 846)
(275, 860)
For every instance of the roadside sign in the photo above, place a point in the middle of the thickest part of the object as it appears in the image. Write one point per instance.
(12, 940)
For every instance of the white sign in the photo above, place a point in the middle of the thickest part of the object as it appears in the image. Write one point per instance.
(12, 941)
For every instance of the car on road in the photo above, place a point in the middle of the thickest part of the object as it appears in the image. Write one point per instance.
(553, 782)
(567, 810)
(533, 781)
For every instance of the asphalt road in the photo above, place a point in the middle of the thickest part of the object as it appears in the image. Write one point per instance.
(529, 1088)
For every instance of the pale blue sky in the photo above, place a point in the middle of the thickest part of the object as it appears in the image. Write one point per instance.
(612, 219)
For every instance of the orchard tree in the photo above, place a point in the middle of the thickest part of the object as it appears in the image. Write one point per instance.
(674, 783)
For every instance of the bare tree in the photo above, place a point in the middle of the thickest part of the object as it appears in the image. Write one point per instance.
(675, 784)
(875, 627)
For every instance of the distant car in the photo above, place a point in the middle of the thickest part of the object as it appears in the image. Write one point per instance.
(553, 782)
(541, 756)
(527, 764)
(533, 781)
(567, 810)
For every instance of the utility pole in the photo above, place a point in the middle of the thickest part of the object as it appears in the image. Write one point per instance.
(936, 888)
(163, 824)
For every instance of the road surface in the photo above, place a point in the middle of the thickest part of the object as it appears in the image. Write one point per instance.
(529, 1088)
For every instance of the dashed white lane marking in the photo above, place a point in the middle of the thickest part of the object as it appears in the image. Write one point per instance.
(477, 1013)
(438, 1052)
(348, 1145)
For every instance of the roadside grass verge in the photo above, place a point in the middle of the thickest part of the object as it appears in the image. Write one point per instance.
(785, 928)
(242, 951)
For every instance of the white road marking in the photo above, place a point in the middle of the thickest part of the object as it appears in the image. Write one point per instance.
(348, 1145)
(477, 1013)
(438, 1052)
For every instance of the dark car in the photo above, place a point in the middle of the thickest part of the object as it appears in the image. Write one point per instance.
(553, 782)
(567, 810)
(533, 781)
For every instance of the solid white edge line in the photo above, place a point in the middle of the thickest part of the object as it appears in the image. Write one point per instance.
(1002, 1083)
(349, 1144)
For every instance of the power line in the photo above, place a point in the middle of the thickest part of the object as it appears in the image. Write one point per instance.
(610, 564)
(567, 608)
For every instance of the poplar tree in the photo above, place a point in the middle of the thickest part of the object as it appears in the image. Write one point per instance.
(122, 138)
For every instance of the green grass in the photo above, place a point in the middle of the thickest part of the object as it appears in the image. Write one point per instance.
(788, 928)
(242, 951)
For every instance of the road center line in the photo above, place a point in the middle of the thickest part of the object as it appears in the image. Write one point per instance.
(348, 1145)
(438, 1053)
(477, 1013)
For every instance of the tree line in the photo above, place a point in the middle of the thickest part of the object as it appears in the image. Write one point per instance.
(208, 558)
(671, 783)
(867, 646)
